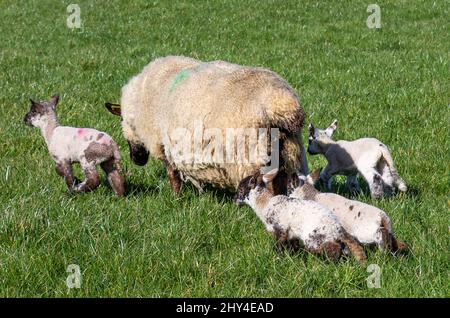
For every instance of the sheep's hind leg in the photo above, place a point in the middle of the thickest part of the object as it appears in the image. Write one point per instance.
(387, 177)
(115, 178)
(375, 182)
(174, 177)
(64, 169)
(91, 181)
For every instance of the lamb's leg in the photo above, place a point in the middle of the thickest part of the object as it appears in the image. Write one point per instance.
(374, 180)
(115, 178)
(92, 178)
(326, 176)
(386, 176)
(385, 242)
(64, 169)
(352, 183)
(331, 250)
(280, 236)
(174, 177)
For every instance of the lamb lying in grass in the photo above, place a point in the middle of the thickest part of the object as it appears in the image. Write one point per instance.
(368, 224)
(297, 221)
(67, 145)
(367, 156)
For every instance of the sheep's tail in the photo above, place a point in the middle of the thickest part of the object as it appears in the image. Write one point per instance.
(354, 247)
(398, 181)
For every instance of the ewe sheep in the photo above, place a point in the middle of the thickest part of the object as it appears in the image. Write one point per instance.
(182, 111)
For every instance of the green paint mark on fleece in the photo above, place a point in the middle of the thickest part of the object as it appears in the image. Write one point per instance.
(181, 76)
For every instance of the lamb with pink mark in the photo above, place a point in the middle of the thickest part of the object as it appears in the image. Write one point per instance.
(68, 145)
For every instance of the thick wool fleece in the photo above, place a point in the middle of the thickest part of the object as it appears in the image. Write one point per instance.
(175, 91)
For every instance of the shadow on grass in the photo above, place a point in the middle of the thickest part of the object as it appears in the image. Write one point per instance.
(139, 189)
(341, 189)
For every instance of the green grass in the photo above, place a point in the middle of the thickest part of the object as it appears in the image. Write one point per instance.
(392, 84)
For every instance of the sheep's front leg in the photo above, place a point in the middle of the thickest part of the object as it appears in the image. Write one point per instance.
(64, 169)
(91, 181)
(174, 177)
(326, 176)
(352, 183)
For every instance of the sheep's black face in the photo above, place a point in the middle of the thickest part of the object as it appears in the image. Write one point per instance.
(138, 153)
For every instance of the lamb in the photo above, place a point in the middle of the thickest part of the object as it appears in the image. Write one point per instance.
(368, 224)
(67, 145)
(366, 156)
(293, 221)
(196, 98)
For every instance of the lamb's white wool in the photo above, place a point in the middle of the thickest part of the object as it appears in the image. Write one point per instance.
(289, 219)
(366, 156)
(68, 145)
(177, 92)
(71, 143)
(367, 223)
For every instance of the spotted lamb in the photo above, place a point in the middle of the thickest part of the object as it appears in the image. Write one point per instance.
(68, 145)
(293, 221)
(368, 224)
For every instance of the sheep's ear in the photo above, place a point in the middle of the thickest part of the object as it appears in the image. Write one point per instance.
(301, 181)
(113, 108)
(314, 176)
(269, 176)
(312, 129)
(54, 101)
(330, 130)
(36, 106)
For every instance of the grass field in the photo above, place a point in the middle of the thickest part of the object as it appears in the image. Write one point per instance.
(392, 83)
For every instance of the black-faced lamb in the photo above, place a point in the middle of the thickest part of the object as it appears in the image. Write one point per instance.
(203, 98)
(68, 145)
(300, 221)
(366, 156)
(368, 224)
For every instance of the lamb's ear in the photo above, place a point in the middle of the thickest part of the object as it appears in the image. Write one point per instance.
(269, 176)
(36, 106)
(54, 101)
(113, 108)
(301, 181)
(330, 130)
(314, 176)
(312, 129)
